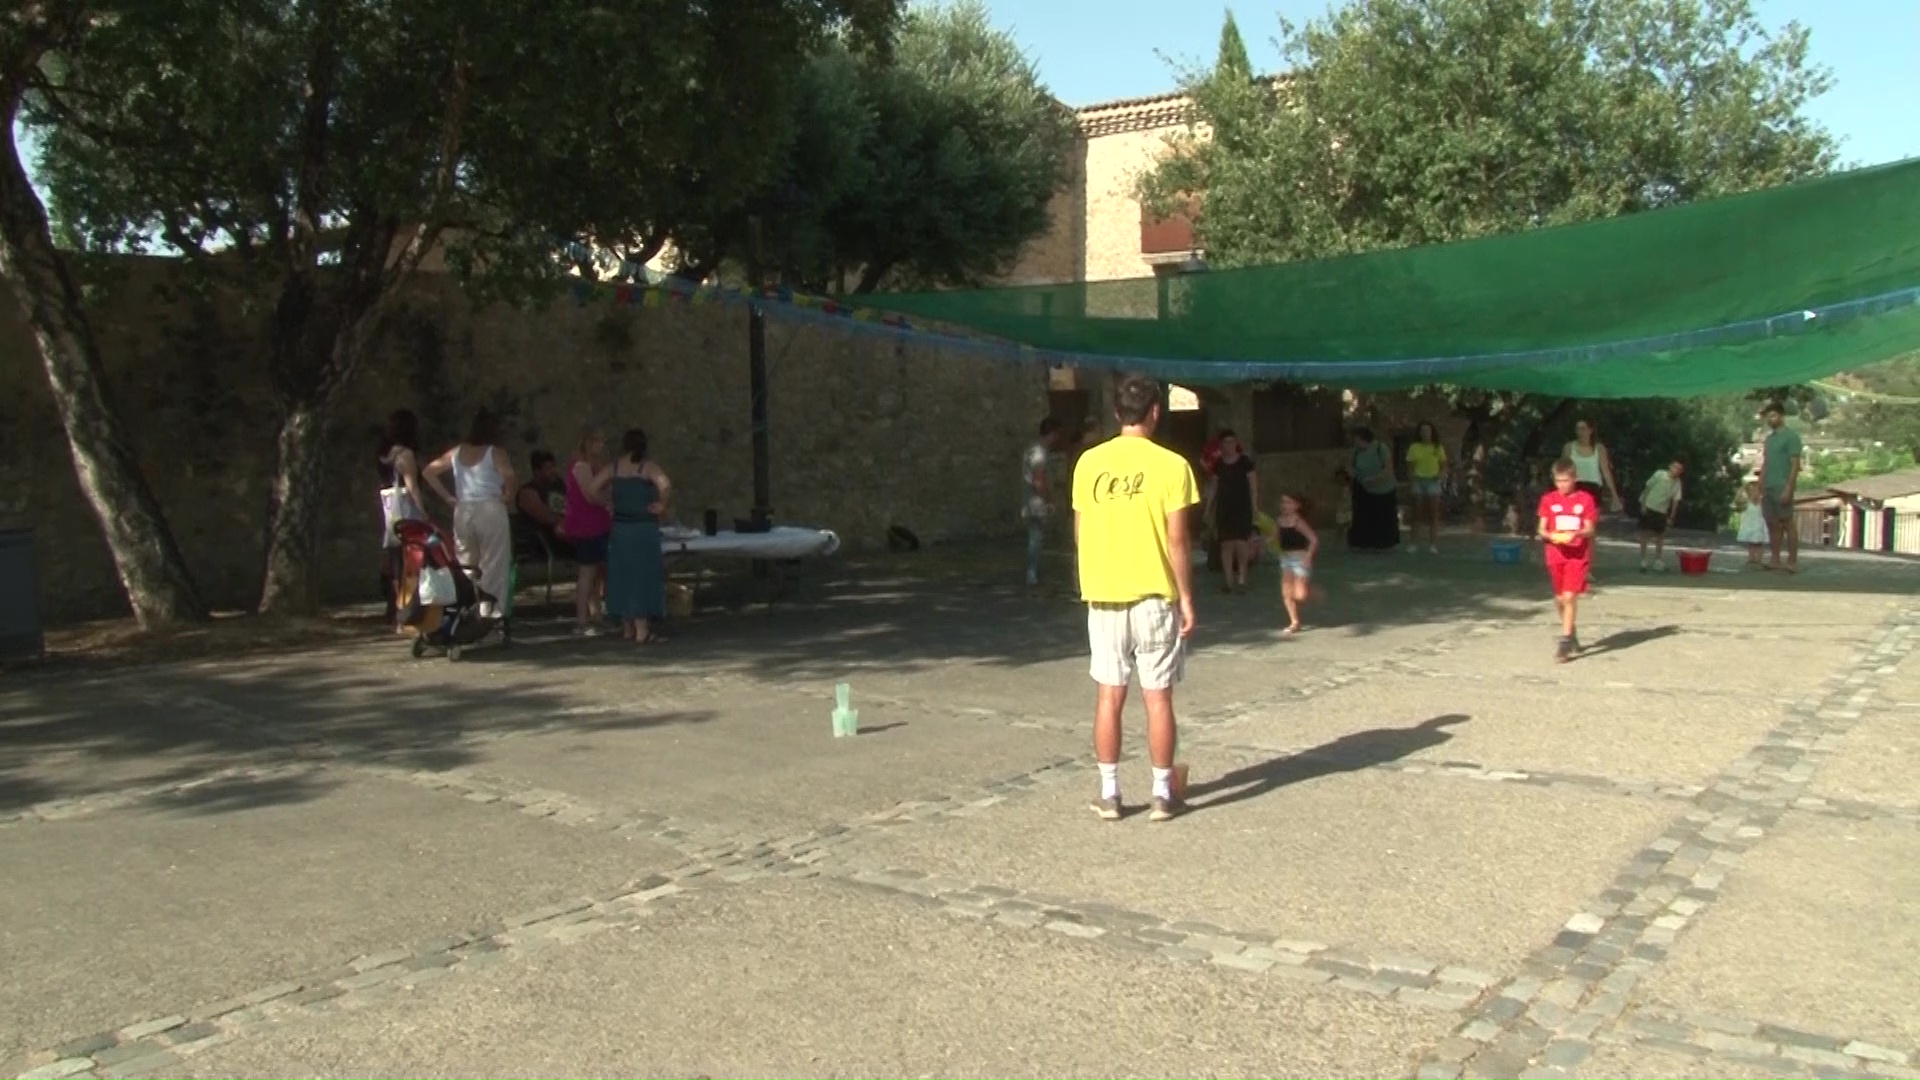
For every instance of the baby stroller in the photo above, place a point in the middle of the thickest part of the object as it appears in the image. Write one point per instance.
(437, 621)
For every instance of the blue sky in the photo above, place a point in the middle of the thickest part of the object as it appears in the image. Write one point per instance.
(1097, 50)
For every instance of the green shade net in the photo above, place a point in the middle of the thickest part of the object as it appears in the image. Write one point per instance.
(1770, 288)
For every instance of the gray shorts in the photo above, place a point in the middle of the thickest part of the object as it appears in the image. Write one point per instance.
(1140, 638)
(1774, 505)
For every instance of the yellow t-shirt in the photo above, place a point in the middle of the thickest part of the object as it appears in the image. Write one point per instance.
(1123, 491)
(1426, 460)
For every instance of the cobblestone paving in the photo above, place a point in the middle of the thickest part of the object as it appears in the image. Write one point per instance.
(1582, 990)
(1583, 981)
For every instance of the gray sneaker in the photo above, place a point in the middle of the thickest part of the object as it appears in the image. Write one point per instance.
(1165, 809)
(1108, 809)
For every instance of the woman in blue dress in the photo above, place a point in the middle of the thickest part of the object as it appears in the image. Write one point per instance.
(636, 572)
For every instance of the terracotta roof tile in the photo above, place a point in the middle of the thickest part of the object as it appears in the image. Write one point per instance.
(1136, 114)
(1132, 102)
(1171, 109)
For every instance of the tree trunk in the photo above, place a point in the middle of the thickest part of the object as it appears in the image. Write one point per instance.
(158, 586)
(872, 276)
(1532, 448)
(292, 584)
(305, 376)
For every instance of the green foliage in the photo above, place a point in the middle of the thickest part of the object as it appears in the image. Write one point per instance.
(1895, 425)
(1832, 466)
(1423, 121)
(1641, 437)
(1232, 62)
(502, 125)
(931, 166)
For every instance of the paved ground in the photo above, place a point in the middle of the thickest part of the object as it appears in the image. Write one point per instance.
(1417, 847)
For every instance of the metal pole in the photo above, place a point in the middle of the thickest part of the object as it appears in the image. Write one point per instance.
(757, 386)
(757, 383)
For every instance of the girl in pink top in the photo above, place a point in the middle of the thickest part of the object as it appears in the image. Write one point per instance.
(586, 524)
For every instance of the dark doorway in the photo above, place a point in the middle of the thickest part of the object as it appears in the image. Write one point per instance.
(1186, 432)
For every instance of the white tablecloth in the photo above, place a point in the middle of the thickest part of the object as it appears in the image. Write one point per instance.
(782, 542)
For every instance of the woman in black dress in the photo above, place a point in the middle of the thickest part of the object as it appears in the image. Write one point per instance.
(1376, 495)
(1233, 499)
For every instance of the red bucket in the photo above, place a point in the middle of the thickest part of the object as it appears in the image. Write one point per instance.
(1694, 563)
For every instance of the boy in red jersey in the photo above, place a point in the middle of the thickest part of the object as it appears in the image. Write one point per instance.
(1568, 520)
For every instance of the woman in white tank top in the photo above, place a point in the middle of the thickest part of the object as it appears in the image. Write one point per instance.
(482, 534)
(1593, 466)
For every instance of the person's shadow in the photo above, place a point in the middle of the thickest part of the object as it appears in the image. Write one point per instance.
(1349, 753)
(1626, 639)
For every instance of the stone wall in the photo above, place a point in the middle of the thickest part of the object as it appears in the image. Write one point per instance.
(1114, 165)
(866, 431)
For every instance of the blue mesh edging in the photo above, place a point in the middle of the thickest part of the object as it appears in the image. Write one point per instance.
(1333, 371)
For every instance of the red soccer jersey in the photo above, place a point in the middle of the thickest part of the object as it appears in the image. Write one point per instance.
(1569, 513)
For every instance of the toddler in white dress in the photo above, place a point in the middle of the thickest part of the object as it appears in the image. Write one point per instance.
(1753, 525)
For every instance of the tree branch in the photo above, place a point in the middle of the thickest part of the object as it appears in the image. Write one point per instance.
(299, 286)
(452, 131)
(872, 276)
(650, 246)
(315, 123)
(696, 272)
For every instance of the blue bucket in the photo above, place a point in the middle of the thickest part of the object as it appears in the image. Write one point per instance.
(1506, 552)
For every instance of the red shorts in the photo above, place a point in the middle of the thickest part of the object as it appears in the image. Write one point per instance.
(1568, 572)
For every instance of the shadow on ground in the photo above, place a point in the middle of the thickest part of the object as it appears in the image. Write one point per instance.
(63, 737)
(1349, 753)
(1627, 639)
(76, 727)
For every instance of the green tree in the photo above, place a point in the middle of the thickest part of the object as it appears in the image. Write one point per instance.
(1424, 121)
(1641, 437)
(153, 573)
(930, 164)
(318, 151)
(1885, 409)
(1231, 62)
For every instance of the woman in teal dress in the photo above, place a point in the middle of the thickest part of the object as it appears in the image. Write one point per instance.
(636, 574)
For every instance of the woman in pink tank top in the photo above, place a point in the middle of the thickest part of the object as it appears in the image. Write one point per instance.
(586, 524)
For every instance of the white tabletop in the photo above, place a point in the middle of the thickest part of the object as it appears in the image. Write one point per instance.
(781, 542)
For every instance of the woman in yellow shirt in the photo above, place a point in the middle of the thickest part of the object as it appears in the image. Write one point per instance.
(1426, 466)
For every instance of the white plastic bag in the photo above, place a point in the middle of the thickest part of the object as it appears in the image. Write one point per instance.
(396, 505)
(436, 587)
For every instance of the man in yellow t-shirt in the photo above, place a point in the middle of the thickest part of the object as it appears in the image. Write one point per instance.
(1131, 497)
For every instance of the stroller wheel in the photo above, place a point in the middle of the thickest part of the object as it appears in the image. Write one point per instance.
(419, 647)
(453, 651)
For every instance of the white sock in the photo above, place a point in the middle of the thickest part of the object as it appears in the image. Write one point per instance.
(1162, 783)
(1109, 780)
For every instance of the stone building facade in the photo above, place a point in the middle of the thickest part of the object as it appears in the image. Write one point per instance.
(1097, 229)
